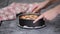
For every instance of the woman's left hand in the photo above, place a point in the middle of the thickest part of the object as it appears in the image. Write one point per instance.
(50, 14)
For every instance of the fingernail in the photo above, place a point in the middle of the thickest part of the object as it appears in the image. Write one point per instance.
(34, 21)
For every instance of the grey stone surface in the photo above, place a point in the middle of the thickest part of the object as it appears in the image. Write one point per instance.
(3, 3)
(10, 27)
(26, 1)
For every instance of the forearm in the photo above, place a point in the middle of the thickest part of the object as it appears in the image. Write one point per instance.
(59, 12)
(50, 2)
(55, 9)
(53, 1)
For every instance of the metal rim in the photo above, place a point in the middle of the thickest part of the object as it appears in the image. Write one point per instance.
(38, 27)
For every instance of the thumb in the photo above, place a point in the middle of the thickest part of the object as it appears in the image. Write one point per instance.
(41, 16)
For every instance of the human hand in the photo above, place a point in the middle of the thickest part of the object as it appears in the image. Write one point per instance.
(45, 4)
(41, 5)
(50, 14)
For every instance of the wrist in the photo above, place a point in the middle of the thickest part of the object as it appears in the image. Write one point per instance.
(58, 12)
(44, 4)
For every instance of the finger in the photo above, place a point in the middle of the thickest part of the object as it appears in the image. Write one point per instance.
(38, 18)
(32, 7)
(36, 10)
(36, 6)
(41, 6)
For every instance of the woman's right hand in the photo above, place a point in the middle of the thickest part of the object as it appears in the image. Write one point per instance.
(42, 5)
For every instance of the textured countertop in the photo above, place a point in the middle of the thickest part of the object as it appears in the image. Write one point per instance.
(10, 27)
